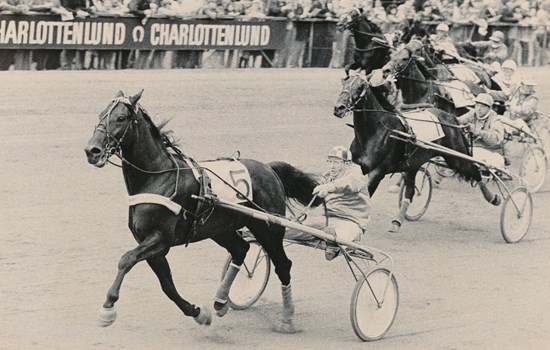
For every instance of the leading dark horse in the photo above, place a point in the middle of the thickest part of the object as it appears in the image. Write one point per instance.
(378, 154)
(163, 214)
(371, 47)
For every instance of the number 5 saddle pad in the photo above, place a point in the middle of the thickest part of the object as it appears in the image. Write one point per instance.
(225, 176)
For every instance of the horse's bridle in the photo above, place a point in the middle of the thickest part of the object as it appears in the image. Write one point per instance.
(347, 91)
(397, 73)
(104, 127)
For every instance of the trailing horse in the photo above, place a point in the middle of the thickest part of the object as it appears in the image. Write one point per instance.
(160, 182)
(378, 154)
(371, 47)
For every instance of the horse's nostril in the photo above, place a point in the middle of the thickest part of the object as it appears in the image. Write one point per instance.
(93, 151)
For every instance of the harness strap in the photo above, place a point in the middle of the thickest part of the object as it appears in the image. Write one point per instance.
(151, 198)
(204, 210)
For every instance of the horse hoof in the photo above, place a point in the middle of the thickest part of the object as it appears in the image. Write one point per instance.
(221, 308)
(107, 316)
(286, 327)
(204, 317)
(395, 226)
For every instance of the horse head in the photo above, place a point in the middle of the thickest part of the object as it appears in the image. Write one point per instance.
(115, 121)
(350, 19)
(400, 60)
(354, 88)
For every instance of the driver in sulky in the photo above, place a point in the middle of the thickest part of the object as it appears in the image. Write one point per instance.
(487, 131)
(347, 200)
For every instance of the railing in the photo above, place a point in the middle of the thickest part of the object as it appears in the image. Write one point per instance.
(223, 42)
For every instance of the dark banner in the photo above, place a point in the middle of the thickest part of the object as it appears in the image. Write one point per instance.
(49, 32)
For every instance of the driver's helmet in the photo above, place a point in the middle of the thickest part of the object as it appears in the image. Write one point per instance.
(527, 87)
(442, 27)
(497, 36)
(485, 99)
(510, 64)
(340, 152)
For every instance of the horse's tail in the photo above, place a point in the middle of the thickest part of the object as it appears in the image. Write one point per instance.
(298, 184)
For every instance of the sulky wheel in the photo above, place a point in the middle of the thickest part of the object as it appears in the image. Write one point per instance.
(422, 195)
(533, 168)
(516, 214)
(252, 279)
(374, 304)
(544, 134)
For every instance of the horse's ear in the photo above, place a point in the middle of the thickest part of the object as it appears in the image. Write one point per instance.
(134, 99)
(119, 94)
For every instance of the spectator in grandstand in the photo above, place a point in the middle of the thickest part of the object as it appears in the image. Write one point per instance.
(143, 9)
(106, 59)
(413, 28)
(347, 203)
(252, 58)
(429, 13)
(275, 9)
(319, 9)
(211, 9)
(111, 7)
(166, 9)
(231, 10)
(378, 15)
(508, 12)
(494, 50)
(462, 15)
(392, 22)
(13, 6)
(22, 59)
(492, 11)
(71, 58)
(255, 10)
(405, 10)
(187, 8)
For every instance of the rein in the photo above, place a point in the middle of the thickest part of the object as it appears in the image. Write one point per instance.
(116, 150)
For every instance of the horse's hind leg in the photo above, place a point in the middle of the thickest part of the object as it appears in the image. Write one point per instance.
(237, 247)
(160, 266)
(492, 198)
(409, 180)
(271, 239)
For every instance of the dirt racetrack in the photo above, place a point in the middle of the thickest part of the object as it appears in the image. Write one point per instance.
(63, 226)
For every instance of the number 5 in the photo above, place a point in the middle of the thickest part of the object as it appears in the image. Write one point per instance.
(236, 182)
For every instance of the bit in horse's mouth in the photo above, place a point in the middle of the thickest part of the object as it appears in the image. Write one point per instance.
(102, 160)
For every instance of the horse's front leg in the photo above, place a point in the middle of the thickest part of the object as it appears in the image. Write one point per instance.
(161, 268)
(375, 176)
(409, 179)
(151, 246)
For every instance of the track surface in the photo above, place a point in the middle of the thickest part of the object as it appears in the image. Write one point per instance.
(63, 226)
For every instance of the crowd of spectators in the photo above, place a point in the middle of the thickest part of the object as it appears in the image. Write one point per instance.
(392, 16)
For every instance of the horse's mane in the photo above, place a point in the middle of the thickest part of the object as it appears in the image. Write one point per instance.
(375, 28)
(379, 95)
(160, 133)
